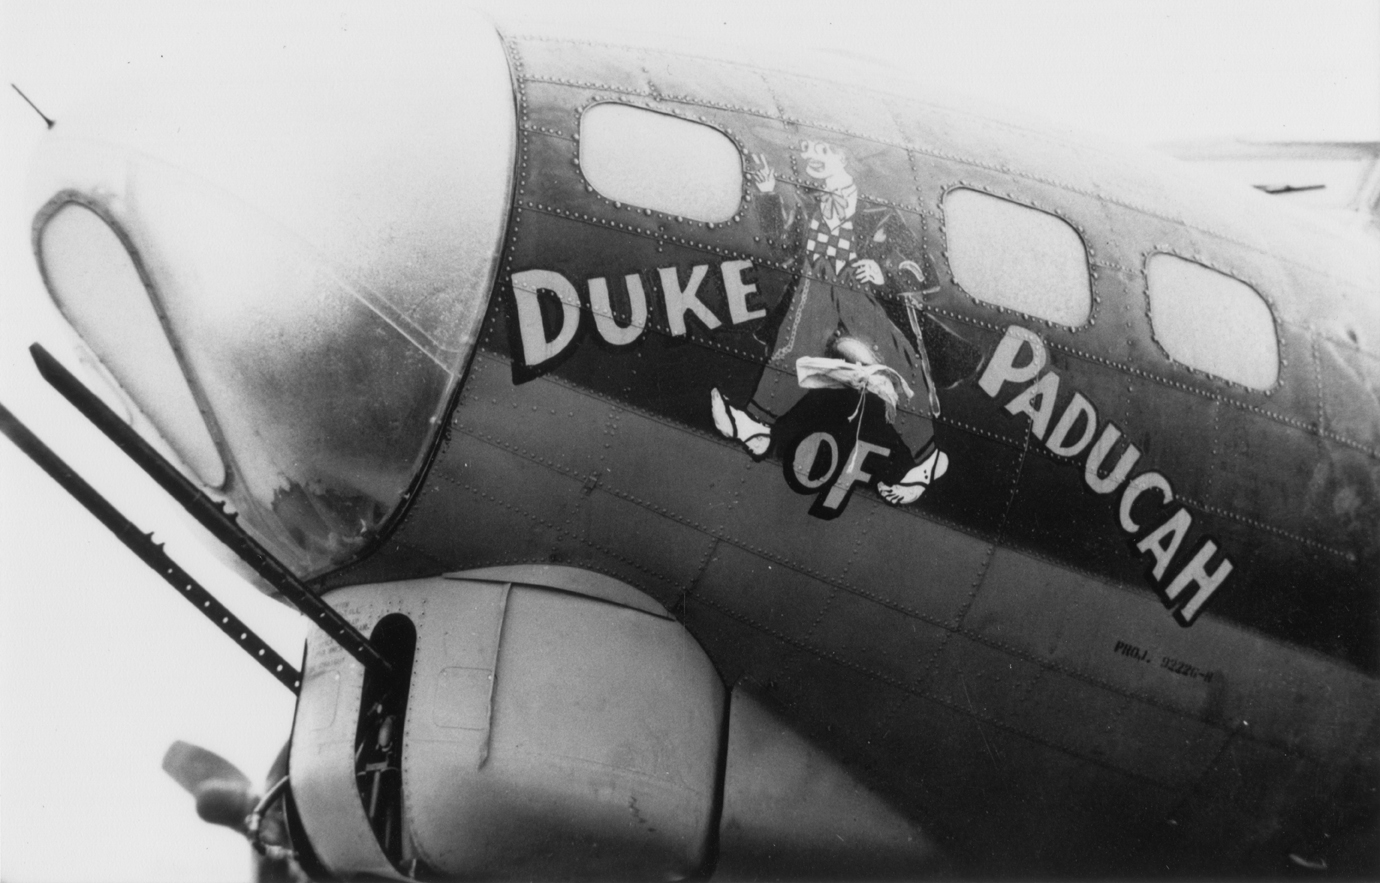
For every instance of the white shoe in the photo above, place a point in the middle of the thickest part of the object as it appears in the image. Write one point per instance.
(719, 408)
(735, 423)
(914, 483)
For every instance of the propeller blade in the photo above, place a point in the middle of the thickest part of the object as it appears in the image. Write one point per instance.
(223, 794)
(225, 803)
(190, 765)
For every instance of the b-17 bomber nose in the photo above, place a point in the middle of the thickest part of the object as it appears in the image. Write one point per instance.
(281, 256)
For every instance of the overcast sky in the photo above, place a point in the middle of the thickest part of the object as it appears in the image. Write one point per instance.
(101, 667)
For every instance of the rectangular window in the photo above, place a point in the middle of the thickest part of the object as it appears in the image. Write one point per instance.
(661, 162)
(1016, 257)
(1210, 321)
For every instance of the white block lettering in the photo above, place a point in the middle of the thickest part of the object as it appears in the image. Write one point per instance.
(736, 290)
(1196, 572)
(1110, 433)
(1164, 540)
(1058, 439)
(1002, 368)
(526, 286)
(1139, 485)
(852, 473)
(808, 451)
(599, 305)
(679, 300)
(1044, 391)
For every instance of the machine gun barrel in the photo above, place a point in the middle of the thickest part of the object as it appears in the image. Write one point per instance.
(149, 552)
(223, 525)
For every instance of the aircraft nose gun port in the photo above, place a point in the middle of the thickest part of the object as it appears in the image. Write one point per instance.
(379, 733)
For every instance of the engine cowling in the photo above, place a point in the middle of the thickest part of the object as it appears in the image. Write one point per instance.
(572, 726)
(549, 722)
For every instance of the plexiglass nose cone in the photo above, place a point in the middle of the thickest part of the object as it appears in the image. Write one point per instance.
(304, 226)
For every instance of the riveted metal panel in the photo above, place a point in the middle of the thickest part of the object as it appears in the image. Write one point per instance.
(1007, 563)
(892, 644)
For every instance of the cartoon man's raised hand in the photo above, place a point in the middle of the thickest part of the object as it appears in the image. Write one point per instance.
(866, 270)
(761, 173)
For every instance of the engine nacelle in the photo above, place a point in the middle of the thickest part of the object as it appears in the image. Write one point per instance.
(555, 722)
(547, 722)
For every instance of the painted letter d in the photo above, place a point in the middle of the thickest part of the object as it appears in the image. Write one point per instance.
(526, 286)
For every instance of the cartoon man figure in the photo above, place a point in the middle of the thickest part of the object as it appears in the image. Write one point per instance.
(860, 281)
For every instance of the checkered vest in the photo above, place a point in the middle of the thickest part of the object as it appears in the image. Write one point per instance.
(824, 243)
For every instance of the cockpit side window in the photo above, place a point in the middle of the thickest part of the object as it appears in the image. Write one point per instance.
(660, 162)
(1213, 322)
(1019, 258)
